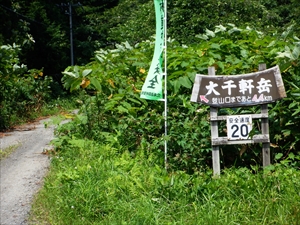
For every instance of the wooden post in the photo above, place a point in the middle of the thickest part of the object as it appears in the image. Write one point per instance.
(216, 97)
(265, 129)
(214, 132)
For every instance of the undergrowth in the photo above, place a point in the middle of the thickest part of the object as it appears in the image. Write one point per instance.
(93, 183)
(26, 94)
(108, 164)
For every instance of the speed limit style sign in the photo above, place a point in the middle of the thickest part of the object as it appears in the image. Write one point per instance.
(239, 127)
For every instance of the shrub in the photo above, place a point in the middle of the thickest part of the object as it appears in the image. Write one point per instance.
(116, 109)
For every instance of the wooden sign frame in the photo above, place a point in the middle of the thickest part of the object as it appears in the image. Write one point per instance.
(263, 138)
(262, 87)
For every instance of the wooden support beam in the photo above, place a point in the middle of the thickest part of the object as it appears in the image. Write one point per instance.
(214, 133)
(265, 129)
(259, 138)
(254, 116)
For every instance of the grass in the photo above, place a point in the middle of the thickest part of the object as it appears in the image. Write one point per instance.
(93, 183)
(7, 151)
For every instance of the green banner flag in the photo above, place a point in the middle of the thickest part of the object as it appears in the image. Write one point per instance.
(152, 88)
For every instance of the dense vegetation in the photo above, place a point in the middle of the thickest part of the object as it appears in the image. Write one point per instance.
(26, 94)
(108, 163)
(116, 77)
(22, 91)
(38, 33)
(42, 27)
(93, 183)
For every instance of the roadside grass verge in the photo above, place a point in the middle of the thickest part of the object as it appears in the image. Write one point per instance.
(93, 183)
(8, 150)
(55, 107)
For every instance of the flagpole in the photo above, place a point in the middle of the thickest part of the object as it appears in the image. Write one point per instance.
(152, 88)
(166, 92)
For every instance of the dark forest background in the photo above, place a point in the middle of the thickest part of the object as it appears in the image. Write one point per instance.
(42, 27)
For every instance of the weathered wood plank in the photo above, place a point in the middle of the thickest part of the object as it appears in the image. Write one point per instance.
(254, 116)
(266, 144)
(221, 91)
(259, 138)
(265, 122)
(279, 82)
(196, 88)
(214, 133)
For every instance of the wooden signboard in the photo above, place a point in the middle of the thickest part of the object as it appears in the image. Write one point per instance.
(258, 88)
(239, 90)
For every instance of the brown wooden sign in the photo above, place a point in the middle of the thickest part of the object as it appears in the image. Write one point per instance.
(239, 90)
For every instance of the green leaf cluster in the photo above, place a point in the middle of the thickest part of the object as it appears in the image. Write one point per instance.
(42, 27)
(135, 123)
(23, 91)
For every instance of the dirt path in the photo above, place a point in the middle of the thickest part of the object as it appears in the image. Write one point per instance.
(21, 174)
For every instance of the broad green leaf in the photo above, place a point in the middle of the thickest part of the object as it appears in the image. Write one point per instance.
(70, 74)
(76, 69)
(86, 72)
(244, 53)
(100, 58)
(110, 105)
(82, 118)
(210, 33)
(75, 84)
(118, 97)
(127, 45)
(126, 104)
(185, 81)
(220, 28)
(221, 66)
(176, 74)
(296, 52)
(215, 46)
(215, 55)
(192, 75)
(184, 64)
(78, 142)
(202, 36)
(176, 86)
(95, 83)
(296, 112)
(271, 44)
(278, 156)
(121, 109)
(121, 47)
(135, 101)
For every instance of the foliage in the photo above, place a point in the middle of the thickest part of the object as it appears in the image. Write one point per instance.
(116, 109)
(186, 19)
(93, 183)
(42, 27)
(23, 91)
(132, 21)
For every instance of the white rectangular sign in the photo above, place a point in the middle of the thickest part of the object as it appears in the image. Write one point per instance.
(239, 127)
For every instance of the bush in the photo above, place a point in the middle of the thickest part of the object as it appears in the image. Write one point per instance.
(22, 92)
(116, 76)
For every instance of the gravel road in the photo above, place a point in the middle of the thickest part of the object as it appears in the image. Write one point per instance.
(22, 173)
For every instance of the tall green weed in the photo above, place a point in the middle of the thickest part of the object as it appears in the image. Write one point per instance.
(93, 183)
